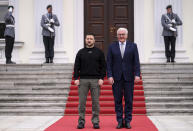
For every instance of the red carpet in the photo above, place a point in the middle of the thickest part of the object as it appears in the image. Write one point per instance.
(106, 100)
(107, 123)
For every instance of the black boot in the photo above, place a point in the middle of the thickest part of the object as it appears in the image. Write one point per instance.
(8, 61)
(96, 126)
(168, 60)
(80, 125)
(47, 61)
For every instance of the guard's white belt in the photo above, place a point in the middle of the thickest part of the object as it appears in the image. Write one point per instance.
(10, 26)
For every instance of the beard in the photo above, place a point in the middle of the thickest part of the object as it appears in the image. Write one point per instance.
(90, 45)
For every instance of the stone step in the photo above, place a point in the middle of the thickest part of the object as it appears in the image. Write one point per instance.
(176, 111)
(28, 72)
(168, 88)
(34, 89)
(170, 80)
(166, 99)
(166, 71)
(167, 68)
(36, 95)
(35, 92)
(44, 66)
(168, 93)
(28, 112)
(33, 65)
(35, 85)
(7, 69)
(32, 105)
(176, 105)
(18, 77)
(167, 76)
(166, 83)
(39, 81)
(65, 86)
(33, 99)
(161, 65)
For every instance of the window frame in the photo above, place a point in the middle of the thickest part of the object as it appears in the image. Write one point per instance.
(3, 3)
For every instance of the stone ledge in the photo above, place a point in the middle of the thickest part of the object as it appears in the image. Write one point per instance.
(18, 44)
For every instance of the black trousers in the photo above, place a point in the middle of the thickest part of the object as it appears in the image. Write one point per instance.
(170, 45)
(9, 46)
(49, 46)
(123, 88)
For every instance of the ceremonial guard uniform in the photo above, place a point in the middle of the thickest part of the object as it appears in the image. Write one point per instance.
(48, 22)
(169, 22)
(9, 34)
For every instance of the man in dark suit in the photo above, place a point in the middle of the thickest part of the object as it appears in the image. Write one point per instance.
(123, 68)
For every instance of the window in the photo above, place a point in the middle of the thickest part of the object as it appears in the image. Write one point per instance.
(3, 11)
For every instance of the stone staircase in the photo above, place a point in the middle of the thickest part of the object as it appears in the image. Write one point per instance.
(34, 89)
(168, 88)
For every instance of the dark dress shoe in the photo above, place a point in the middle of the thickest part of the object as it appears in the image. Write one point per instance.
(51, 61)
(172, 61)
(128, 126)
(80, 125)
(120, 125)
(168, 60)
(96, 126)
(47, 61)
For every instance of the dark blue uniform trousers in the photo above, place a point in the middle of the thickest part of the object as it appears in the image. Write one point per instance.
(123, 88)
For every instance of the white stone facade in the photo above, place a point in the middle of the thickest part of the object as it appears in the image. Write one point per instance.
(69, 36)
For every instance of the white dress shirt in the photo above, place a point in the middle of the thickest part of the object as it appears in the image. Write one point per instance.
(120, 46)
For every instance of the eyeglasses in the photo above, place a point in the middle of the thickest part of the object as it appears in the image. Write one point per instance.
(121, 34)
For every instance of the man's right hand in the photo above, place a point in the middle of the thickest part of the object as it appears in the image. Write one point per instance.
(77, 82)
(111, 80)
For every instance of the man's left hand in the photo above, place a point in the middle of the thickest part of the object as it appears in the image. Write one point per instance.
(100, 82)
(137, 78)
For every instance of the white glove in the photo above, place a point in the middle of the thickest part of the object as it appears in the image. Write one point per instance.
(48, 24)
(10, 9)
(50, 29)
(173, 29)
(173, 21)
(170, 25)
(52, 21)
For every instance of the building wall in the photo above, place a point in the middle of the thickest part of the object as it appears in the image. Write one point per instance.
(148, 28)
(69, 29)
(27, 29)
(188, 28)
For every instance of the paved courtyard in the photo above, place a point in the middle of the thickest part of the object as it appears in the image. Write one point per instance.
(39, 123)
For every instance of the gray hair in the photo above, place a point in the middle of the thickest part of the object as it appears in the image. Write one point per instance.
(122, 29)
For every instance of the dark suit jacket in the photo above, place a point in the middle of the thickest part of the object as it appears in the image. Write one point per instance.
(128, 66)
